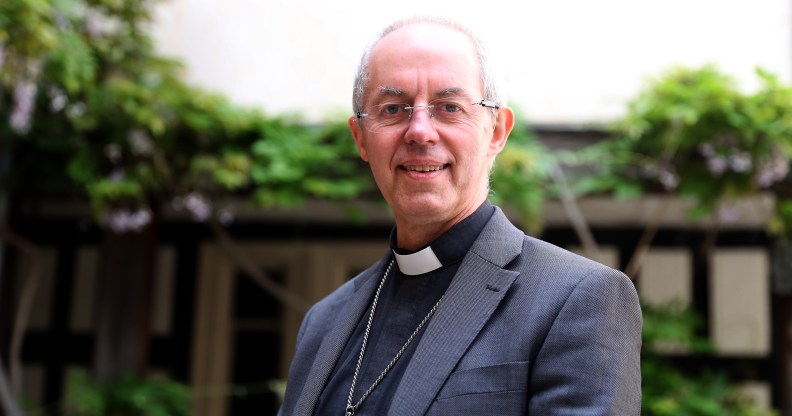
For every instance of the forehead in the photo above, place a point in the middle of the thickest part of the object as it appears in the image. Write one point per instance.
(424, 59)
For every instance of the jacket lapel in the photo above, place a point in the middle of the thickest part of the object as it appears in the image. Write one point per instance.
(336, 339)
(475, 293)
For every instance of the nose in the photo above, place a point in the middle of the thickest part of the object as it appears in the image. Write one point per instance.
(428, 109)
(421, 128)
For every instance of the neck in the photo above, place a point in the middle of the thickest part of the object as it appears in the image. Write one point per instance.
(414, 235)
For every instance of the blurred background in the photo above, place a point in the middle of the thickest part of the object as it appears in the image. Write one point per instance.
(178, 185)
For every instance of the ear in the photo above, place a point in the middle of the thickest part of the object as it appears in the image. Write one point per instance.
(504, 124)
(357, 134)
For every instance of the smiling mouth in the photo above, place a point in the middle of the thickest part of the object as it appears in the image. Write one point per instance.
(415, 168)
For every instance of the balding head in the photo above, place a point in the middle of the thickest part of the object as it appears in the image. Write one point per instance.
(491, 83)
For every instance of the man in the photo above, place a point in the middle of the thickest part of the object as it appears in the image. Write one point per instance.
(465, 315)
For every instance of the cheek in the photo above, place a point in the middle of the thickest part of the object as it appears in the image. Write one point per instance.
(379, 162)
(476, 163)
(380, 152)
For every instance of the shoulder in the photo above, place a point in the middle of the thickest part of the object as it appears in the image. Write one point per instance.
(506, 246)
(548, 276)
(559, 279)
(557, 266)
(540, 253)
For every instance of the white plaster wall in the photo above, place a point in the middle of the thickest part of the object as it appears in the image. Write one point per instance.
(666, 276)
(567, 61)
(740, 302)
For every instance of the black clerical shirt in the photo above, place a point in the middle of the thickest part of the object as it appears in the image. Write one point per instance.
(404, 301)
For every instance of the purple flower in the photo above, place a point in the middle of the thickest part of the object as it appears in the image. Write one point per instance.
(196, 204)
(740, 162)
(98, 24)
(706, 150)
(668, 179)
(24, 101)
(113, 153)
(774, 170)
(75, 110)
(728, 213)
(58, 99)
(717, 165)
(123, 221)
(117, 175)
(140, 142)
(225, 217)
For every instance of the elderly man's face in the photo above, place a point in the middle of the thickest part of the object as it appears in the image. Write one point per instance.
(429, 172)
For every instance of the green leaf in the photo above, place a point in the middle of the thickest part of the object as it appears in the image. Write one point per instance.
(82, 167)
(627, 190)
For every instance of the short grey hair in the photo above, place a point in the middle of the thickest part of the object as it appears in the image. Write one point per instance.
(491, 82)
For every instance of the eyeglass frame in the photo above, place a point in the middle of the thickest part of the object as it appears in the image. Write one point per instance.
(483, 102)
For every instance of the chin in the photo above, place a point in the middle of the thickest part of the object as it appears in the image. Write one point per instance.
(422, 207)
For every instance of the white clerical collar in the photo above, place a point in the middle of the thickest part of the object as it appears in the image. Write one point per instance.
(420, 262)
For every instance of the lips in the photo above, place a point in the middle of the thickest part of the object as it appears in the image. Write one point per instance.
(424, 168)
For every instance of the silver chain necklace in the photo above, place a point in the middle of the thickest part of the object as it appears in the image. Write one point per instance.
(350, 408)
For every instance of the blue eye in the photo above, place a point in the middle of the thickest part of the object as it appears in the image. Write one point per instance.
(391, 109)
(449, 107)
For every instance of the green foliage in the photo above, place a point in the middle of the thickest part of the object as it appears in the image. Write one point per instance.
(671, 330)
(30, 25)
(114, 123)
(129, 396)
(780, 223)
(295, 161)
(692, 133)
(521, 177)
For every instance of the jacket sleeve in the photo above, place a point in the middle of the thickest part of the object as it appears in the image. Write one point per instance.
(589, 363)
(297, 370)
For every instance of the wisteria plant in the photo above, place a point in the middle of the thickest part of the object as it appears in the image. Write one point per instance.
(117, 124)
(89, 112)
(693, 133)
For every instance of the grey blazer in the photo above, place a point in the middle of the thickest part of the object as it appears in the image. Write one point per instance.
(525, 328)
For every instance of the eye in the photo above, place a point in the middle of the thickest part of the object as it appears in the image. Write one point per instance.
(448, 107)
(391, 109)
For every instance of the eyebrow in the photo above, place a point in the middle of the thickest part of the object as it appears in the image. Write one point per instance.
(388, 91)
(451, 92)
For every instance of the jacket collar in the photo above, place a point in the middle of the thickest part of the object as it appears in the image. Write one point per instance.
(474, 294)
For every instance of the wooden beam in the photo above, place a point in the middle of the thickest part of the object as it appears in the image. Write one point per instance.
(782, 329)
(123, 304)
